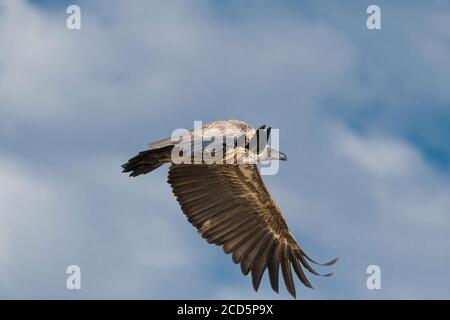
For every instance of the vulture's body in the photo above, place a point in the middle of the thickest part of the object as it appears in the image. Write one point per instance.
(229, 204)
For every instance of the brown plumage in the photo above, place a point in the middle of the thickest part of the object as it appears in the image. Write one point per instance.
(231, 207)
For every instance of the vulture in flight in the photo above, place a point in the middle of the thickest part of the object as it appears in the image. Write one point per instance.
(227, 201)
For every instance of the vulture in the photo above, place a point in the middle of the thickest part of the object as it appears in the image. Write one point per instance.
(227, 200)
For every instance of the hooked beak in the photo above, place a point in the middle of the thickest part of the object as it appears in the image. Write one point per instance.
(274, 154)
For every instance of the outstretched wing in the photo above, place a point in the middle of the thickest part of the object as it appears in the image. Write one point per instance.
(230, 206)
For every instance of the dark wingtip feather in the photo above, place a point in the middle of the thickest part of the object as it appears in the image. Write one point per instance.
(330, 263)
(260, 265)
(245, 270)
(256, 279)
(327, 264)
(298, 270)
(286, 270)
(274, 266)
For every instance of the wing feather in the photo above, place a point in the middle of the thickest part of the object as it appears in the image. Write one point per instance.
(286, 269)
(234, 233)
(227, 226)
(250, 256)
(242, 250)
(231, 207)
(259, 265)
(234, 242)
(274, 267)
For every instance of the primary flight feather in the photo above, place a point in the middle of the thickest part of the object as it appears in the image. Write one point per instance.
(229, 204)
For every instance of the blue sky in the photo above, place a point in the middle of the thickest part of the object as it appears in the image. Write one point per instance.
(363, 116)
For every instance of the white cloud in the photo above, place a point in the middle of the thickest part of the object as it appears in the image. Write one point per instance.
(399, 180)
(379, 156)
(135, 65)
(20, 192)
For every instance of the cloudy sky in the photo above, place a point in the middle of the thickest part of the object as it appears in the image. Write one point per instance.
(364, 117)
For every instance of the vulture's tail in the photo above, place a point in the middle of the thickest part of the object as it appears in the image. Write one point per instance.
(147, 161)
